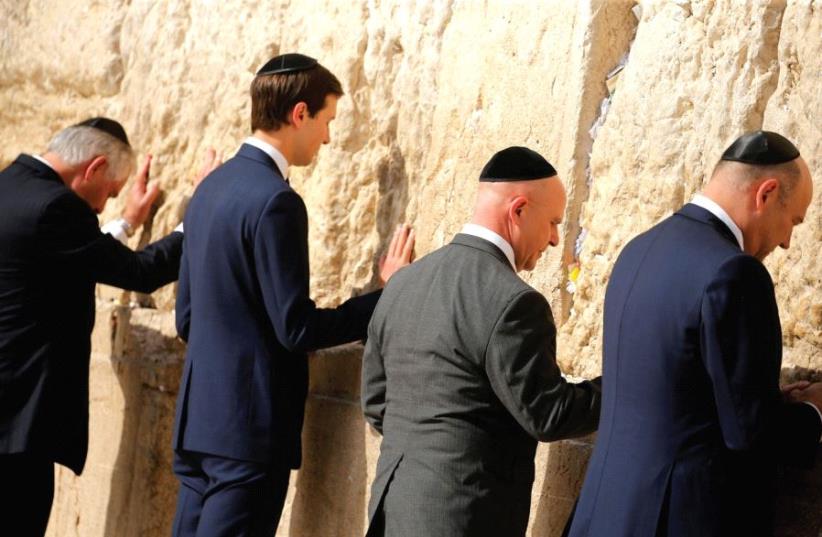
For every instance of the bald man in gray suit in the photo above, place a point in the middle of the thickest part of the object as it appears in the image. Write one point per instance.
(460, 375)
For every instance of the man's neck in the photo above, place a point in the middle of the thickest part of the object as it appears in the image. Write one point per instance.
(493, 225)
(62, 169)
(278, 139)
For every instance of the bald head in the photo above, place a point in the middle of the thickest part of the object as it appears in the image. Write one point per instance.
(527, 214)
(742, 176)
(765, 201)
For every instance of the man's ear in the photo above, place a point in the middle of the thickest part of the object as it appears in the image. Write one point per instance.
(766, 192)
(299, 114)
(96, 165)
(516, 208)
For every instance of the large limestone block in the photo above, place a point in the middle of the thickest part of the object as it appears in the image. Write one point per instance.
(794, 110)
(698, 75)
(560, 471)
(538, 81)
(328, 495)
(127, 488)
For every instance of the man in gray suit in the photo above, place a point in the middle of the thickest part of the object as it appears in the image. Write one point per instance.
(460, 375)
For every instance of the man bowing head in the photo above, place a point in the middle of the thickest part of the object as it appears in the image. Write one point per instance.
(460, 372)
(694, 421)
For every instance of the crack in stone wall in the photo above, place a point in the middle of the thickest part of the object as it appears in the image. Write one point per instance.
(608, 37)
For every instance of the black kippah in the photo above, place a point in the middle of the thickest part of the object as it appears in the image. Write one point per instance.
(109, 126)
(762, 148)
(287, 63)
(516, 164)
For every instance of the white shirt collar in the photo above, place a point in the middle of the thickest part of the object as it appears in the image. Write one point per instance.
(483, 232)
(44, 161)
(713, 207)
(271, 151)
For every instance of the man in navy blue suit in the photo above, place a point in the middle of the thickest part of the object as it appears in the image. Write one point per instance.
(52, 254)
(244, 309)
(693, 420)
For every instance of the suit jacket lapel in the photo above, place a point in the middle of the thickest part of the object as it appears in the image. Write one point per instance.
(695, 212)
(481, 244)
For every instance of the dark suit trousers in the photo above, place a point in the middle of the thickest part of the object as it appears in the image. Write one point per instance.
(26, 494)
(221, 497)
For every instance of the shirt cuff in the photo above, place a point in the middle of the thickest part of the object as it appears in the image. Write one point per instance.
(179, 227)
(818, 412)
(117, 229)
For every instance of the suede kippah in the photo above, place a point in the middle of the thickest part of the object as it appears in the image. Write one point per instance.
(287, 63)
(108, 126)
(761, 148)
(516, 164)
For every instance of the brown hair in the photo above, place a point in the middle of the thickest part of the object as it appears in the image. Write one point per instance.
(274, 96)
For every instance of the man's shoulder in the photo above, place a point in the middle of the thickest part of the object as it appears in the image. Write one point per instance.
(24, 194)
(493, 279)
(246, 183)
(683, 242)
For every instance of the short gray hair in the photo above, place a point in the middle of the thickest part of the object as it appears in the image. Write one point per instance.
(79, 144)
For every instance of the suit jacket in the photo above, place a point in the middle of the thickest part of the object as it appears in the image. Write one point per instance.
(243, 307)
(51, 255)
(692, 419)
(460, 377)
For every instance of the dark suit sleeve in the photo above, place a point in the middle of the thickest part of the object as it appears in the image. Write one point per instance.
(521, 365)
(798, 429)
(281, 260)
(741, 344)
(373, 379)
(70, 234)
(182, 307)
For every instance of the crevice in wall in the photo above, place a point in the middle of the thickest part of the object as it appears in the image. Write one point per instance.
(608, 55)
(771, 38)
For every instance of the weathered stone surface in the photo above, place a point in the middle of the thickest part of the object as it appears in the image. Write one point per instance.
(433, 88)
(794, 110)
(127, 488)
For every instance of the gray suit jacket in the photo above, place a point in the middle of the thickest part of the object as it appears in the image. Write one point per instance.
(460, 377)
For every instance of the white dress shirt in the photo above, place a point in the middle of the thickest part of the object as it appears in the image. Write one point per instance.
(713, 207)
(272, 152)
(483, 232)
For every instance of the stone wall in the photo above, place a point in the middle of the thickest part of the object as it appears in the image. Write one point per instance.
(633, 103)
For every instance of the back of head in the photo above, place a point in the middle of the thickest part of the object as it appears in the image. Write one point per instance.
(765, 187)
(758, 155)
(523, 201)
(95, 137)
(283, 82)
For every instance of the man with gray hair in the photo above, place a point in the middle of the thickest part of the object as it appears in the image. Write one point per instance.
(52, 253)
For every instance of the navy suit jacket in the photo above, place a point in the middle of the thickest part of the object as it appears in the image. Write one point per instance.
(243, 307)
(51, 255)
(692, 417)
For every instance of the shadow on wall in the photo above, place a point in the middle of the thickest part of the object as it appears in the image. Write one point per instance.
(565, 467)
(332, 485)
(799, 503)
(392, 178)
(143, 488)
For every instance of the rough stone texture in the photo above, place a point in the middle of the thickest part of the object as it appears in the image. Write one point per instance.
(433, 88)
(127, 488)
